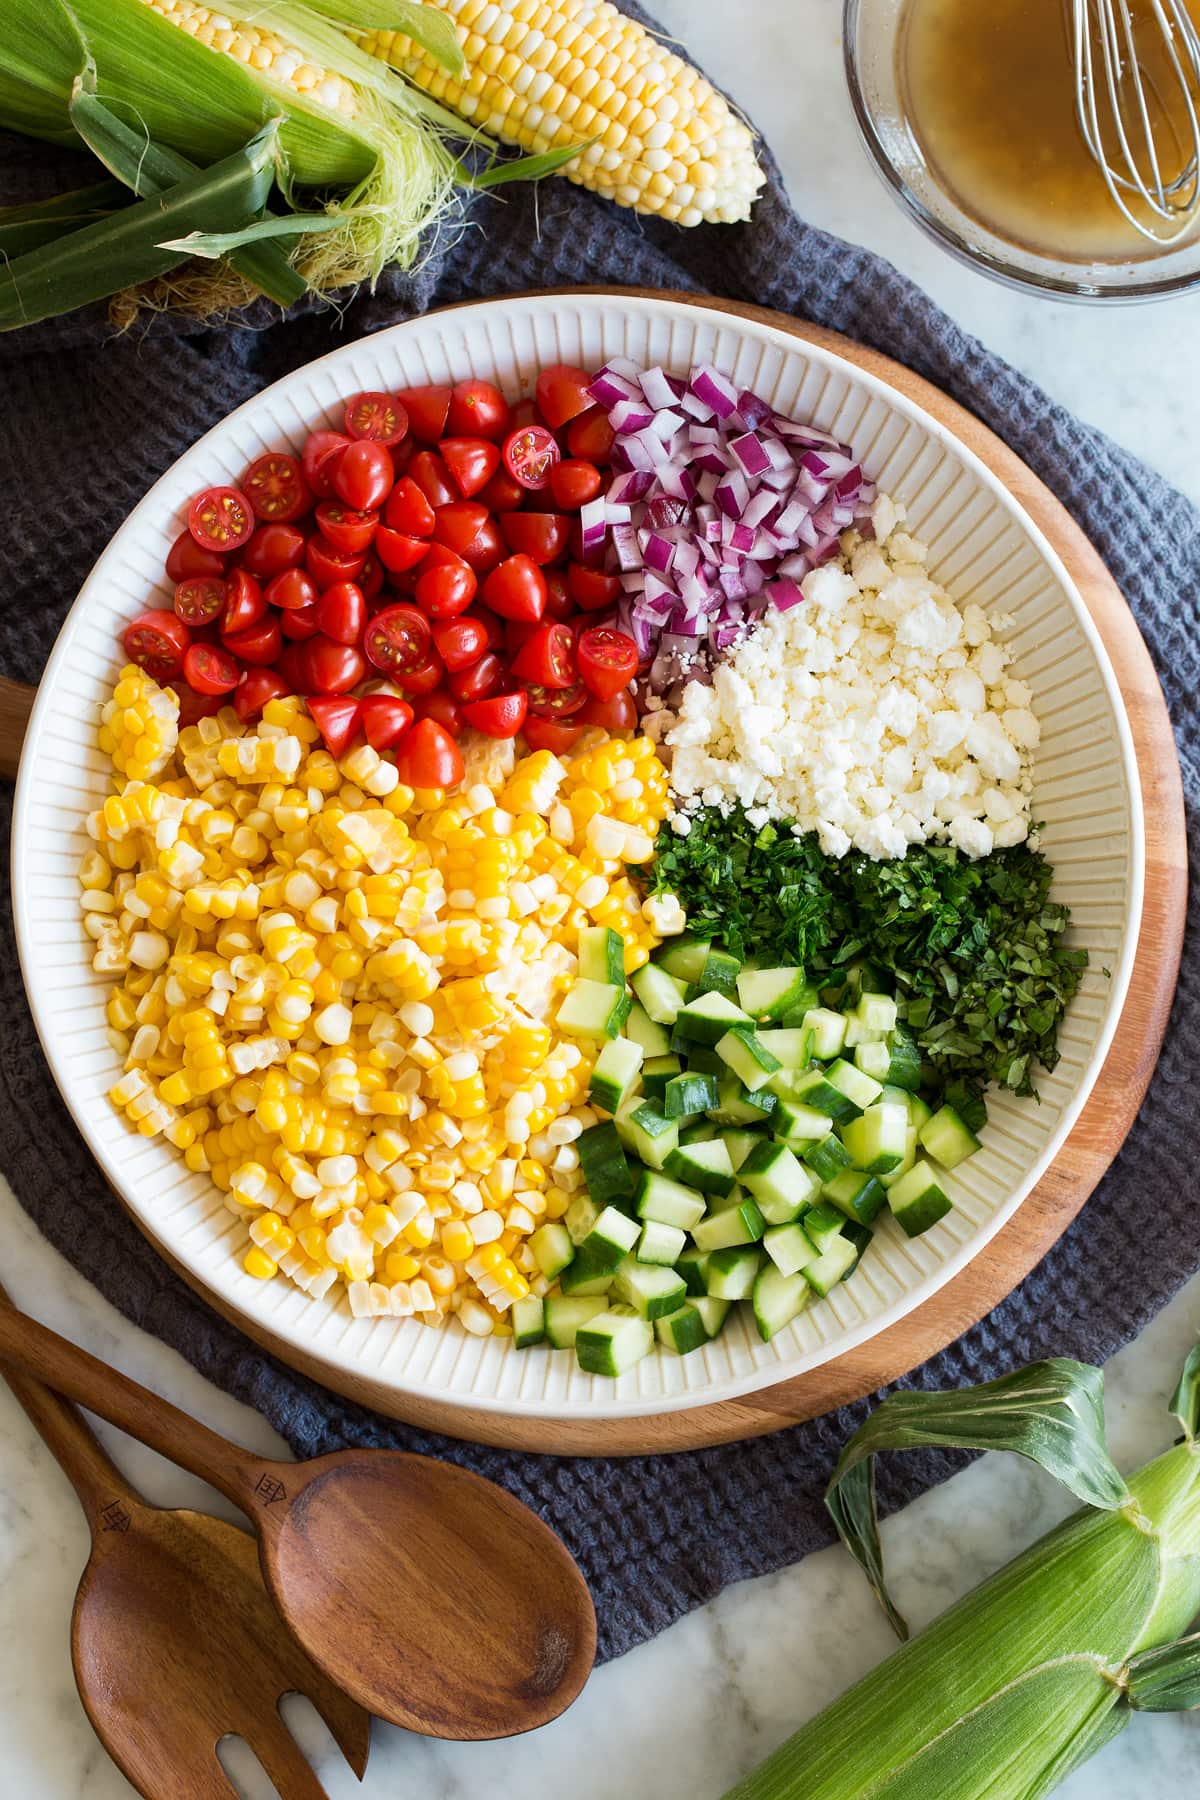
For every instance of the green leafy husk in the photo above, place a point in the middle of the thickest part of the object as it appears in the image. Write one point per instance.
(28, 227)
(1030, 1674)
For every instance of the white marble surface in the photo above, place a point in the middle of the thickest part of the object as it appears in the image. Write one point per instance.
(685, 1715)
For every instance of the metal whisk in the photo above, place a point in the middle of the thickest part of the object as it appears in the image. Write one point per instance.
(1118, 96)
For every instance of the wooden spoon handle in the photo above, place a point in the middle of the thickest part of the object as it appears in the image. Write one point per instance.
(78, 1452)
(16, 703)
(146, 1416)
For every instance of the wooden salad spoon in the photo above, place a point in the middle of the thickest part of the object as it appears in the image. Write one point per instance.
(426, 1593)
(174, 1638)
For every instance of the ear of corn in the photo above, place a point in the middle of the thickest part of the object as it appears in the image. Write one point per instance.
(1026, 1677)
(546, 74)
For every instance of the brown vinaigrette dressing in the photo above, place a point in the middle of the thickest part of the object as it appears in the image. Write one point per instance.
(988, 88)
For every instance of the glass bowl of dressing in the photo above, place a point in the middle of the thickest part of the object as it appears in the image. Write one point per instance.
(967, 108)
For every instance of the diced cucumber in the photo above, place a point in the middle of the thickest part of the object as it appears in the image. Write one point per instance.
(877, 1012)
(613, 1341)
(860, 1090)
(696, 1131)
(777, 1300)
(905, 1068)
(792, 1049)
(705, 1166)
(660, 994)
(821, 1223)
(918, 1110)
(789, 1248)
(719, 974)
(811, 1087)
(827, 1156)
(689, 1094)
(781, 1185)
(553, 1248)
(916, 1200)
(874, 1059)
(684, 957)
(660, 1243)
(647, 1131)
(739, 1223)
(877, 1139)
(528, 1319)
(769, 993)
(739, 1144)
(582, 1280)
(656, 1072)
(612, 1236)
(580, 1216)
(947, 1139)
(692, 1264)
(640, 1028)
(833, 1265)
(706, 1019)
(714, 1312)
(652, 1291)
(800, 1124)
(736, 1105)
(905, 1164)
(682, 1330)
(748, 1057)
(668, 1202)
(563, 1317)
(604, 1163)
(828, 1032)
(856, 1195)
(602, 955)
(614, 1073)
(858, 1235)
(593, 1009)
(731, 1272)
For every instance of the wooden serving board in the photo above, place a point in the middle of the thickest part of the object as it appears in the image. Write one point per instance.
(1098, 1134)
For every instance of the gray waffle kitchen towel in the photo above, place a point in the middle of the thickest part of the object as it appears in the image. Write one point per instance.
(88, 421)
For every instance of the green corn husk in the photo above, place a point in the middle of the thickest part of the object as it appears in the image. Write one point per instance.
(1026, 1677)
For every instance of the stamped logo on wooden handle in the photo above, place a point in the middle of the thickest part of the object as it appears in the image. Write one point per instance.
(114, 1517)
(269, 1489)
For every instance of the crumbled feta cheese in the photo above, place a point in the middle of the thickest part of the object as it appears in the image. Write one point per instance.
(877, 714)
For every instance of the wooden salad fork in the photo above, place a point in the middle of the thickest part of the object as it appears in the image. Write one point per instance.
(174, 1639)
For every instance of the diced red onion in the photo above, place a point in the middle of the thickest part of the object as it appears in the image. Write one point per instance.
(751, 453)
(630, 415)
(610, 387)
(753, 408)
(783, 593)
(592, 524)
(709, 385)
(624, 541)
(731, 494)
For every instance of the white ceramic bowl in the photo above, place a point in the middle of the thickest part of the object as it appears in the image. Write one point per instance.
(983, 546)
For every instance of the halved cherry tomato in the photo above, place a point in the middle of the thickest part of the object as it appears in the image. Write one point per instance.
(380, 417)
(385, 719)
(186, 561)
(245, 603)
(517, 633)
(500, 715)
(220, 518)
(590, 436)
(530, 454)
(559, 604)
(331, 668)
(272, 549)
(524, 412)
(342, 612)
(299, 622)
(398, 552)
(210, 670)
(472, 461)
(446, 590)
(157, 641)
(327, 565)
(541, 535)
(617, 714)
(496, 629)
(370, 576)
(432, 477)
(591, 589)
(562, 393)
(427, 408)
(548, 658)
(345, 528)
(574, 482)
(516, 589)
(275, 486)
(470, 531)
(608, 661)
(477, 409)
(200, 600)
(424, 678)
(502, 494)
(460, 642)
(291, 589)
(293, 668)
(398, 638)
(555, 735)
(488, 675)
(194, 707)
(337, 718)
(259, 645)
(364, 474)
(442, 707)
(557, 703)
(429, 757)
(319, 459)
(408, 510)
(256, 687)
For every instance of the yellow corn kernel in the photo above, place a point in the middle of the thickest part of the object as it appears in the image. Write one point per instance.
(256, 1262)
